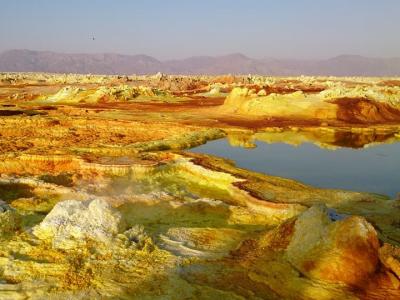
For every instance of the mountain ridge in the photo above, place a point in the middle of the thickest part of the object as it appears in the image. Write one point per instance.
(24, 60)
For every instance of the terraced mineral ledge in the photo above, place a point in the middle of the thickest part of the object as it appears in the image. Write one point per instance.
(101, 197)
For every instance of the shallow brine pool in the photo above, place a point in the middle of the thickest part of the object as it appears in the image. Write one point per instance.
(373, 169)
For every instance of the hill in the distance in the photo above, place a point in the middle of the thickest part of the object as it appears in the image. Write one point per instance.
(109, 63)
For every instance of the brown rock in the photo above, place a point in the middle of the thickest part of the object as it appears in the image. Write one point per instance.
(345, 251)
(390, 258)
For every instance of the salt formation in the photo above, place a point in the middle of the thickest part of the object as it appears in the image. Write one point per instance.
(357, 105)
(342, 251)
(71, 95)
(294, 105)
(66, 94)
(73, 223)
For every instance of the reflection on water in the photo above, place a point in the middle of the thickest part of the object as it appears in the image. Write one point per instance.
(374, 168)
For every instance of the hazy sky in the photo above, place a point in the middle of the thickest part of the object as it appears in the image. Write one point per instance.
(176, 29)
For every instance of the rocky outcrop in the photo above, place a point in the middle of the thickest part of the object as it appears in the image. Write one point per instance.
(361, 110)
(67, 94)
(388, 94)
(71, 95)
(355, 107)
(344, 251)
(390, 258)
(295, 105)
(73, 223)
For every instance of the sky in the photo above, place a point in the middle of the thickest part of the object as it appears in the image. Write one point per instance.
(169, 29)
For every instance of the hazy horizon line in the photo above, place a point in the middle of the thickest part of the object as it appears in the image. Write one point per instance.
(202, 55)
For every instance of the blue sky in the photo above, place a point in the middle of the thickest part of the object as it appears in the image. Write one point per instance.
(177, 29)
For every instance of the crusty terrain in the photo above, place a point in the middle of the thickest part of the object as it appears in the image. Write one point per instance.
(102, 198)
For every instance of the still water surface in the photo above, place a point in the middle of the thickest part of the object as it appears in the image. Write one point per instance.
(374, 169)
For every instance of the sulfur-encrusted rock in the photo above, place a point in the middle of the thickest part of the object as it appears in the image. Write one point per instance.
(294, 105)
(66, 94)
(10, 220)
(136, 238)
(389, 255)
(71, 95)
(344, 251)
(72, 223)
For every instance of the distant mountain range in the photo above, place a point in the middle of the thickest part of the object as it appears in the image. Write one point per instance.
(109, 63)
